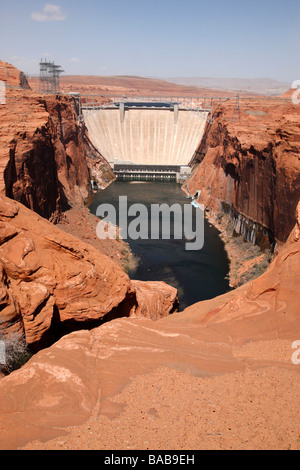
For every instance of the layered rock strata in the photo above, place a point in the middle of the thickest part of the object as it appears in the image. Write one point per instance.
(46, 158)
(51, 282)
(249, 167)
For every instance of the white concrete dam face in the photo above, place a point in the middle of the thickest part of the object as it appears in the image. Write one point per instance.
(146, 136)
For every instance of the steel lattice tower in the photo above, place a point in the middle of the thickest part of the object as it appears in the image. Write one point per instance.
(49, 76)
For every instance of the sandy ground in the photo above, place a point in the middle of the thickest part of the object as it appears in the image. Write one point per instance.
(168, 409)
(127, 85)
(238, 411)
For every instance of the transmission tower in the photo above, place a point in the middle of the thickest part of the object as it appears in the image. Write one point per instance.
(49, 76)
(237, 108)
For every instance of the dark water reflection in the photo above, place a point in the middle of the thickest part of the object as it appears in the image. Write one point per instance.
(198, 275)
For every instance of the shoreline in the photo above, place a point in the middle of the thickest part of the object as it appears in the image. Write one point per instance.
(246, 261)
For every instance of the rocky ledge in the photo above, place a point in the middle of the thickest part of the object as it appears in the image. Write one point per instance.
(52, 283)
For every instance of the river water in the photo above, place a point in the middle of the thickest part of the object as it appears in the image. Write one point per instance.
(196, 274)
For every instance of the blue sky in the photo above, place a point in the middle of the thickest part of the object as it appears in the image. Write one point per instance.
(155, 38)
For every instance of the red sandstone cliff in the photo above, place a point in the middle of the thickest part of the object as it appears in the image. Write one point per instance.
(46, 157)
(252, 164)
(13, 76)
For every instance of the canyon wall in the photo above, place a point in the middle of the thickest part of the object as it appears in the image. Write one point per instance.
(250, 167)
(46, 158)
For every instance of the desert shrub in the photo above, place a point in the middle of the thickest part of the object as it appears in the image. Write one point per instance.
(15, 350)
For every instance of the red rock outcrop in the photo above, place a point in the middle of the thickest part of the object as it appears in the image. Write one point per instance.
(154, 299)
(46, 157)
(233, 355)
(52, 282)
(252, 164)
(13, 76)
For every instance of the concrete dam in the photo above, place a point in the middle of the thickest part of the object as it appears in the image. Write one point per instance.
(146, 137)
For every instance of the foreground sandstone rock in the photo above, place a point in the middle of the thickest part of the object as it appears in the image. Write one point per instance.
(154, 299)
(124, 384)
(51, 282)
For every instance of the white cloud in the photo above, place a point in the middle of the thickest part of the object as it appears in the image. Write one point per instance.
(50, 12)
(74, 59)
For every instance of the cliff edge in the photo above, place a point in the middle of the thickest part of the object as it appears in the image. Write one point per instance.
(47, 161)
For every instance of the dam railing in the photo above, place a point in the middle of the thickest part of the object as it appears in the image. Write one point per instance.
(94, 102)
(91, 103)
